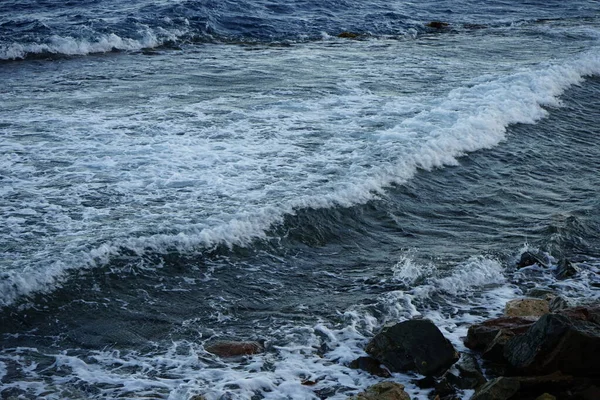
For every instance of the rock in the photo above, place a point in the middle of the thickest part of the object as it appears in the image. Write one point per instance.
(536, 385)
(425, 383)
(370, 365)
(501, 388)
(228, 348)
(470, 373)
(444, 387)
(528, 258)
(383, 391)
(560, 303)
(589, 393)
(348, 35)
(495, 350)
(541, 293)
(198, 397)
(546, 396)
(526, 307)
(413, 345)
(480, 336)
(437, 24)
(567, 342)
(565, 269)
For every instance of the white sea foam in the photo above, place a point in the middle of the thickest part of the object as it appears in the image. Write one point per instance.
(223, 170)
(2, 370)
(78, 46)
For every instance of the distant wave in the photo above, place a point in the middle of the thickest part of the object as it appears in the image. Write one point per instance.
(70, 46)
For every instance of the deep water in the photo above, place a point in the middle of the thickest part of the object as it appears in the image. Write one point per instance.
(175, 172)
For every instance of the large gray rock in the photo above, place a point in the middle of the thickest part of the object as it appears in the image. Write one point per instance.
(415, 345)
(567, 342)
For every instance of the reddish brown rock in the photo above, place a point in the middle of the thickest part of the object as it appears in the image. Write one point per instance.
(383, 391)
(228, 348)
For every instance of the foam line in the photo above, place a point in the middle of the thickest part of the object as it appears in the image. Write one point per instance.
(467, 120)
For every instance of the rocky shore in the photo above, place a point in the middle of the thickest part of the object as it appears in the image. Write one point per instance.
(542, 348)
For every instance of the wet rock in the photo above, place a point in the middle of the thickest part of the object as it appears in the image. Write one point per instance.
(501, 388)
(526, 307)
(569, 342)
(370, 365)
(348, 35)
(425, 383)
(560, 303)
(413, 345)
(228, 348)
(198, 397)
(383, 391)
(528, 258)
(480, 336)
(437, 24)
(470, 373)
(444, 388)
(541, 293)
(495, 350)
(565, 269)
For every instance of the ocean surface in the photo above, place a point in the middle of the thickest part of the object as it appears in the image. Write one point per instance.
(176, 172)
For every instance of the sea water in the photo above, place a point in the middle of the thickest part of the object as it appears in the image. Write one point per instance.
(178, 172)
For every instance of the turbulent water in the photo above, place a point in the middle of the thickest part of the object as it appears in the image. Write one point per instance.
(177, 172)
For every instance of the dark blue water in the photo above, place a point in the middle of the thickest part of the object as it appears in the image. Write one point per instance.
(177, 172)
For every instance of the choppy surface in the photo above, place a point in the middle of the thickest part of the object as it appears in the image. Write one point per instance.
(295, 187)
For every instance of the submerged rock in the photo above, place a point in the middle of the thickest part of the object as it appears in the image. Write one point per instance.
(227, 348)
(383, 391)
(526, 308)
(565, 269)
(437, 24)
(413, 345)
(348, 35)
(560, 303)
(528, 258)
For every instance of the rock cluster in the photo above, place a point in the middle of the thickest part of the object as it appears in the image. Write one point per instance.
(553, 356)
(543, 348)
